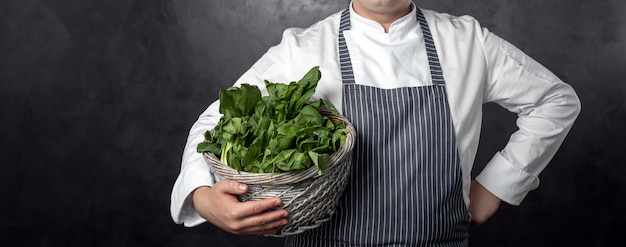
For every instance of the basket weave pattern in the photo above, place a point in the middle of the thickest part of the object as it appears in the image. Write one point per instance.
(309, 198)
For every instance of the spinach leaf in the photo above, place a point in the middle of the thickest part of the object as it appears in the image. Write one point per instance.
(239, 101)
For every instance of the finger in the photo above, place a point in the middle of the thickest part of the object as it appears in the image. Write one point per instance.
(231, 187)
(262, 222)
(266, 218)
(252, 208)
(265, 228)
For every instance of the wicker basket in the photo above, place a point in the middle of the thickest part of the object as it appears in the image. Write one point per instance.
(309, 198)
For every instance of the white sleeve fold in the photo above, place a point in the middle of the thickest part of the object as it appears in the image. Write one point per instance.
(194, 175)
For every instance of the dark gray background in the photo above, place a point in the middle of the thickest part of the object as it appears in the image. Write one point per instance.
(97, 98)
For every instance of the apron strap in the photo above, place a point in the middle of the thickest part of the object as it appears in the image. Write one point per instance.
(347, 73)
(433, 59)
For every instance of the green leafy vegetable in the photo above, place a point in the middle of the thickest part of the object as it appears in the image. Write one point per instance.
(283, 131)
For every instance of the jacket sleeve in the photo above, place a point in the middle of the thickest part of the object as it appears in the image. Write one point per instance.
(546, 108)
(194, 172)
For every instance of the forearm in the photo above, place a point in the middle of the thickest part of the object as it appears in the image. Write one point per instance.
(483, 204)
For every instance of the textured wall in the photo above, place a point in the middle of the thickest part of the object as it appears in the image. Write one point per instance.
(97, 97)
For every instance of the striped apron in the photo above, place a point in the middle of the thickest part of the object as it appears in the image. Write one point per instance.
(406, 185)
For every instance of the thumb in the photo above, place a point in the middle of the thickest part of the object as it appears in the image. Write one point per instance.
(231, 187)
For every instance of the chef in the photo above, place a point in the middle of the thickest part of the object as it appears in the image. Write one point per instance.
(412, 82)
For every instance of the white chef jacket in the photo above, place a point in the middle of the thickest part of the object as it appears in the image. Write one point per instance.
(477, 65)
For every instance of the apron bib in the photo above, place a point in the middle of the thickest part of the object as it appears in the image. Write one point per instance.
(406, 186)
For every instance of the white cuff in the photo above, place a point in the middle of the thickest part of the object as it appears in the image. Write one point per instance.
(192, 176)
(507, 181)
